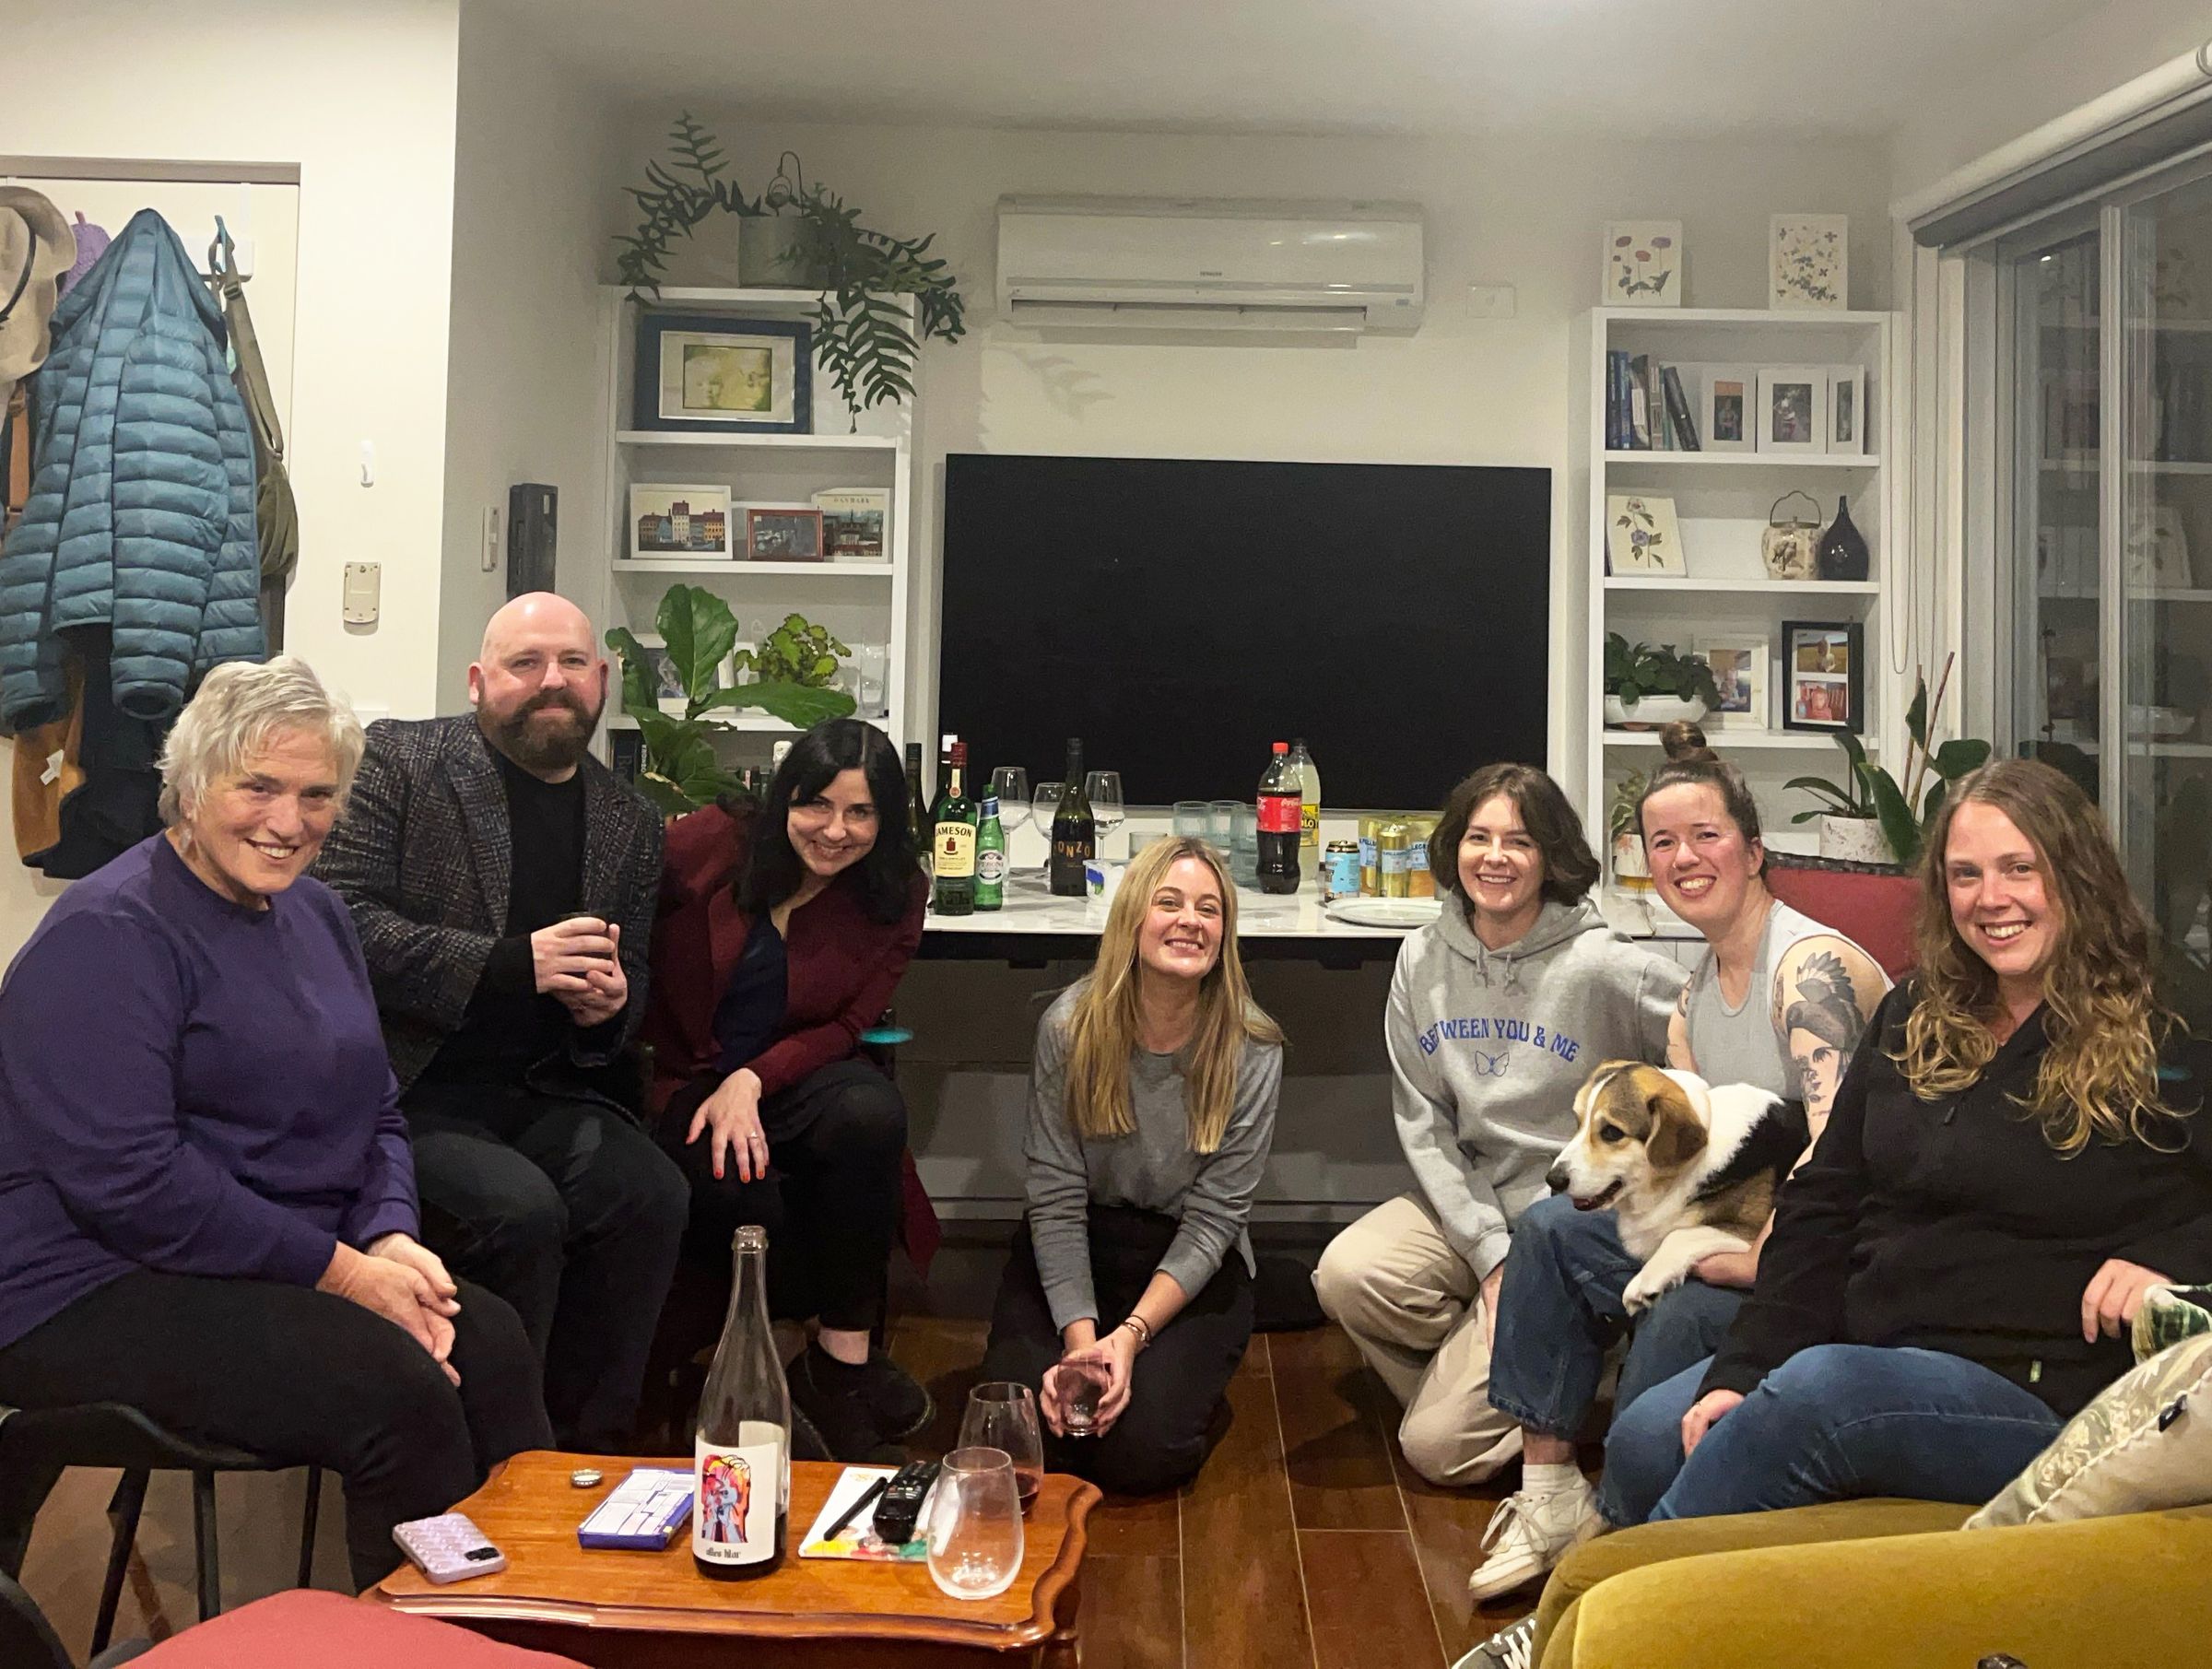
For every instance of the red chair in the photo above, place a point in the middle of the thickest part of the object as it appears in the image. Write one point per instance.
(303, 1626)
(1874, 909)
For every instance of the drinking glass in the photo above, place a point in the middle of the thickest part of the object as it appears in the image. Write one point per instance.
(1104, 787)
(1079, 1385)
(1192, 819)
(1011, 784)
(1003, 1415)
(1049, 795)
(1221, 826)
(975, 1537)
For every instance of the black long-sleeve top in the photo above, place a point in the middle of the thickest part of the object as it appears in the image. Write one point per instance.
(1952, 1225)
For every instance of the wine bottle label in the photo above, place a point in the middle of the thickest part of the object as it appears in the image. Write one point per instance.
(955, 851)
(1279, 813)
(737, 1493)
(991, 867)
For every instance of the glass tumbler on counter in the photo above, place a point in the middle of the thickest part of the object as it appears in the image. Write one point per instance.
(1003, 1415)
(975, 1537)
(1192, 820)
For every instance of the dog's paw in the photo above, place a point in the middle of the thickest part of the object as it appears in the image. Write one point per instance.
(1650, 1285)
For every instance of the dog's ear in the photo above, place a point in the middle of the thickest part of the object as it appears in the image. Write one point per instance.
(1677, 1136)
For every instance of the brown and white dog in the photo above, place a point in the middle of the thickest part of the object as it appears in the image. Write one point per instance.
(1689, 1168)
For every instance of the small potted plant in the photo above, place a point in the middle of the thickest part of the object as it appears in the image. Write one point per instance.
(1646, 687)
(1631, 865)
(1869, 818)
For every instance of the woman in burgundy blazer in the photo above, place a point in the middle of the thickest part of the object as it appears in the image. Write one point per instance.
(781, 936)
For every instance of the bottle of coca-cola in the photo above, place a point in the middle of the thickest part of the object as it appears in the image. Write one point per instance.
(1281, 792)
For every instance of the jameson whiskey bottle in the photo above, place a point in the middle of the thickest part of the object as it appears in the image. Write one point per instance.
(990, 857)
(917, 818)
(1075, 832)
(741, 1465)
(953, 847)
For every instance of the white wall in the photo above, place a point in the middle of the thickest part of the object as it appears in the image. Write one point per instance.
(526, 385)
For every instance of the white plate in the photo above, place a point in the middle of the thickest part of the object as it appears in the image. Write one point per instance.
(1386, 913)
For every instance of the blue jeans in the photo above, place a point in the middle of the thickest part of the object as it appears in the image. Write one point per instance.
(1833, 1422)
(1559, 1310)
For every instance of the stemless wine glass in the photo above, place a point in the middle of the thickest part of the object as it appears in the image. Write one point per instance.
(1011, 784)
(1104, 787)
(1079, 1385)
(1003, 1415)
(975, 1539)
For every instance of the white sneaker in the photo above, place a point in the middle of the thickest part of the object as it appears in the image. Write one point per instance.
(1530, 1534)
(1513, 1648)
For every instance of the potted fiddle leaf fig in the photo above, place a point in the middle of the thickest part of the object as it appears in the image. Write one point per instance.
(697, 634)
(1870, 817)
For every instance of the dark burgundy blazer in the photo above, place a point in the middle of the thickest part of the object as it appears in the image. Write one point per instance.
(842, 964)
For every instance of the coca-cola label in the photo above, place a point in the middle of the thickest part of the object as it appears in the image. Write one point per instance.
(738, 1492)
(1279, 813)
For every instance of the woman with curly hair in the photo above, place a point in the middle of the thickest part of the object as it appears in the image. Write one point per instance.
(2011, 1161)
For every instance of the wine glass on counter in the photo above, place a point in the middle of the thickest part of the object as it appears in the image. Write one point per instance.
(1047, 804)
(1011, 784)
(1104, 789)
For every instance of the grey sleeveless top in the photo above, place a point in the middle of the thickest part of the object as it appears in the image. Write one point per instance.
(1740, 1045)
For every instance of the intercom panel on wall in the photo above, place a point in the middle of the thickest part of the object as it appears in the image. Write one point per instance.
(532, 514)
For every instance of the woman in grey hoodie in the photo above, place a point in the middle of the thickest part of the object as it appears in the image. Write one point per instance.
(1497, 1012)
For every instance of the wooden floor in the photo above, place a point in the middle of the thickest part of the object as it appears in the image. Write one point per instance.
(1305, 1539)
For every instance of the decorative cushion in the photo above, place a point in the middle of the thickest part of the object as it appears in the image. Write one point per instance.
(2169, 1315)
(2145, 1445)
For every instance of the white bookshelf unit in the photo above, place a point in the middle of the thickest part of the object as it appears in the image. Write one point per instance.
(1721, 501)
(860, 602)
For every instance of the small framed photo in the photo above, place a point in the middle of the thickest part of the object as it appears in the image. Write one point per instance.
(783, 536)
(1739, 673)
(713, 374)
(1792, 409)
(1643, 263)
(1643, 536)
(855, 523)
(663, 674)
(1808, 262)
(626, 752)
(1728, 407)
(1822, 671)
(1847, 408)
(668, 521)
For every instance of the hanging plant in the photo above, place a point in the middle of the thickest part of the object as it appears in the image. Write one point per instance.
(864, 341)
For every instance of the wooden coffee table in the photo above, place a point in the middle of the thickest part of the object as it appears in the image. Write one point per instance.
(627, 1610)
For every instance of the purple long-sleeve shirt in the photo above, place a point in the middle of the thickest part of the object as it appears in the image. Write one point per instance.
(191, 1085)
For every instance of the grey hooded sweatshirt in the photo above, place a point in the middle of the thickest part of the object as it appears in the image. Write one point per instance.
(1489, 1047)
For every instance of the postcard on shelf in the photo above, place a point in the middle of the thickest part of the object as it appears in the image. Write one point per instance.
(858, 1539)
(855, 523)
(1808, 262)
(1643, 536)
(1643, 263)
(671, 521)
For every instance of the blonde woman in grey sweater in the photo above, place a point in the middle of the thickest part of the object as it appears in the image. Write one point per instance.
(1151, 1109)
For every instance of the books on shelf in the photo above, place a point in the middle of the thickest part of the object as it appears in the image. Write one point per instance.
(1647, 408)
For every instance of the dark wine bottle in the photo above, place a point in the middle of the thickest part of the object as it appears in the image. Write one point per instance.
(1075, 832)
(917, 816)
(741, 1461)
(953, 844)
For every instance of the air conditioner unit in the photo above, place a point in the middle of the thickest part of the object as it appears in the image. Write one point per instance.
(1165, 264)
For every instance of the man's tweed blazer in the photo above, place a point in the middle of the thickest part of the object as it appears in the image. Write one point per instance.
(423, 857)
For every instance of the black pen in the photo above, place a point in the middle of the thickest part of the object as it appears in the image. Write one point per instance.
(851, 1513)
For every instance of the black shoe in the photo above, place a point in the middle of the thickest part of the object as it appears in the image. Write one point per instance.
(806, 1441)
(835, 1398)
(899, 1401)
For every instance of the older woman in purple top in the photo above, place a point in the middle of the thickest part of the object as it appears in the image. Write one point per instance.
(207, 1195)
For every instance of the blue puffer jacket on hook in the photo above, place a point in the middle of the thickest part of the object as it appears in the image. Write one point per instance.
(141, 509)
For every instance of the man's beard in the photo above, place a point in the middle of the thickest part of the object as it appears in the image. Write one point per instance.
(543, 747)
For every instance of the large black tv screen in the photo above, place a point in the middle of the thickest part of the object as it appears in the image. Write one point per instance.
(1180, 614)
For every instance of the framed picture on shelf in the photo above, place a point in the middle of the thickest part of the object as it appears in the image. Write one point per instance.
(1847, 408)
(1643, 536)
(707, 373)
(2071, 419)
(856, 521)
(1739, 672)
(626, 752)
(1822, 672)
(670, 521)
(783, 536)
(1643, 263)
(663, 673)
(1792, 409)
(1808, 262)
(1728, 407)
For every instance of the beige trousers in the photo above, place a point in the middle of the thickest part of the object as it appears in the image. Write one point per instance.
(1413, 1308)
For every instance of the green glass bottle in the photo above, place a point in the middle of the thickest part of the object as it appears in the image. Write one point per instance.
(954, 846)
(989, 858)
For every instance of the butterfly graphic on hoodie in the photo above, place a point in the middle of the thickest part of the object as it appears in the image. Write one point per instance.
(1489, 1066)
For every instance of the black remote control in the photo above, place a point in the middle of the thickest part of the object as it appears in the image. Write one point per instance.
(901, 1502)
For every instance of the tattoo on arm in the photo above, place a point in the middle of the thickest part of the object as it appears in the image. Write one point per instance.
(1820, 1020)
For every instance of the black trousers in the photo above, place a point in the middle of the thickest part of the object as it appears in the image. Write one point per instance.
(302, 1377)
(566, 1209)
(1160, 1440)
(831, 1201)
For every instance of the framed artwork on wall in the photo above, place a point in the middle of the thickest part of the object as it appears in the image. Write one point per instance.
(1808, 262)
(1643, 263)
(708, 374)
(1792, 409)
(1739, 673)
(1823, 675)
(1728, 407)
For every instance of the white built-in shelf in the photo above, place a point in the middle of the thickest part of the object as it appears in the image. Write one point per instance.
(1782, 589)
(1750, 459)
(723, 716)
(724, 565)
(656, 437)
(2086, 465)
(1723, 740)
(671, 297)
(1801, 319)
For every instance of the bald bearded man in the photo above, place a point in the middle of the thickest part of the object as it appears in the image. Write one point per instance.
(503, 884)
